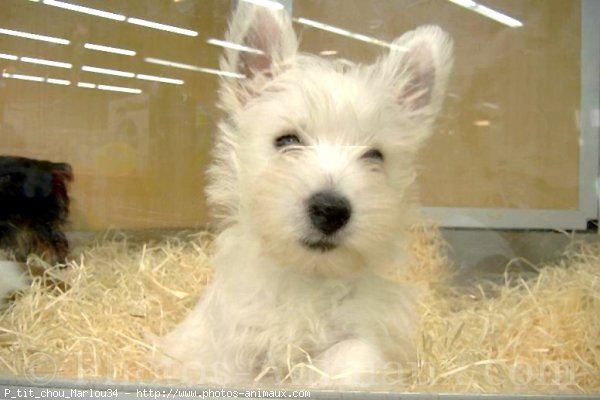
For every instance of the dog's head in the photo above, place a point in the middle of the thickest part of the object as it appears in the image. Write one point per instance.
(316, 156)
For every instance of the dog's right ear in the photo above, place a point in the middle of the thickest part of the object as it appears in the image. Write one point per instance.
(417, 68)
(270, 39)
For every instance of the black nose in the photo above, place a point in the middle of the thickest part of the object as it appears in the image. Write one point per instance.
(328, 211)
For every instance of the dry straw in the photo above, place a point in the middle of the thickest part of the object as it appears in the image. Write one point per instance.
(540, 334)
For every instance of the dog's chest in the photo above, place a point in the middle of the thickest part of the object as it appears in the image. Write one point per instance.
(271, 307)
(317, 312)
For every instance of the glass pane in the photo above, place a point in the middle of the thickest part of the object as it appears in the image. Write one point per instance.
(509, 133)
(138, 157)
(126, 93)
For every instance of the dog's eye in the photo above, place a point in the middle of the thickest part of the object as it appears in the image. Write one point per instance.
(289, 139)
(373, 154)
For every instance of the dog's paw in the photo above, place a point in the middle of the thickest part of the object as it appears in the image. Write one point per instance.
(350, 363)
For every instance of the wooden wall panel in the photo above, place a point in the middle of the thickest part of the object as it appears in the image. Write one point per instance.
(508, 135)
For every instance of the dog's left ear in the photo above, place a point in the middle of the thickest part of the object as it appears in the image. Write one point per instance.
(270, 39)
(418, 64)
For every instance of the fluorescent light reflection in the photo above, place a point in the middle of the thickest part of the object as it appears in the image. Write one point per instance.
(162, 27)
(34, 36)
(23, 77)
(109, 88)
(40, 61)
(64, 82)
(189, 67)
(85, 10)
(273, 5)
(49, 63)
(119, 17)
(234, 46)
(127, 74)
(86, 85)
(341, 32)
(107, 71)
(119, 89)
(322, 26)
(488, 12)
(108, 49)
(4, 56)
(159, 79)
(33, 78)
(58, 81)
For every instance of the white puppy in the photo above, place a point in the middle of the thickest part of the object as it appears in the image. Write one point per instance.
(312, 178)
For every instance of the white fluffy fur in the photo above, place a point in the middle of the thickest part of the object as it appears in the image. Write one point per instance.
(12, 278)
(270, 293)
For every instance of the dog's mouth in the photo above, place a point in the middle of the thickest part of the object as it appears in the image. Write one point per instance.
(319, 245)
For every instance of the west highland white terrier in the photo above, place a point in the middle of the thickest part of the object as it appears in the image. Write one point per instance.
(312, 177)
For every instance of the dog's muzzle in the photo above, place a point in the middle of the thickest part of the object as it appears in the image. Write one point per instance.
(328, 212)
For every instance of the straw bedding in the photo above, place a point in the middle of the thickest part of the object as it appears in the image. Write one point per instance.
(536, 334)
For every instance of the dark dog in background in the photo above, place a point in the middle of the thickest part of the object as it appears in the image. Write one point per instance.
(34, 206)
